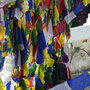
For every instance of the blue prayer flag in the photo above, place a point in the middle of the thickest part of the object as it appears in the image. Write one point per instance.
(8, 85)
(30, 4)
(78, 8)
(80, 82)
(2, 63)
(28, 16)
(40, 58)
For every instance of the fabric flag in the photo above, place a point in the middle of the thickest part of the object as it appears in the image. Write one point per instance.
(6, 78)
(37, 71)
(33, 6)
(48, 61)
(30, 82)
(32, 69)
(34, 37)
(28, 16)
(15, 61)
(48, 3)
(25, 69)
(86, 2)
(62, 86)
(78, 8)
(47, 35)
(5, 46)
(66, 48)
(56, 16)
(42, 46)
(19, 5)
(40, 58)
(18, 13)
(26, 82)
(49, 32)
(50, 29)
(8, 85)
(7, 26)
(42, 41)
(61, 25)
(50, 49)
(61, 39)
(6, 12)
(41, 76)
(61, 6)
(37, 80)
(2, 32)
(25, 52)
(37, 2)
(30, 58)
(26, 6)
(1, 61)
(8, 42)
(45, 18)
(70, 17)
(80, 82)
(1, 14)
(21, 42)
(30, 4)
(2, 87)
(12, 85)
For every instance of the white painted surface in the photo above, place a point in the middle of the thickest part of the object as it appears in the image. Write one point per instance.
(80, 33)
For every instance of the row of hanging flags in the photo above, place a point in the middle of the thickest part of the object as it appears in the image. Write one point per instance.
(27, 27)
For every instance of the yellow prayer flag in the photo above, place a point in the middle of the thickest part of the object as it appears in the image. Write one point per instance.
(31, 54)
(23, 23)
(56, 16)
(26, 82)
(31, 13)
(37, 70)
(61, 39)
(25, 69)
(19, 88)
(37, 2)
(2, 32)
(25, 6)
(48, 61)
(12, 3)
(8, 42)
(19, 23)
(12, 24)
(50, 41)
(4, 88)
(86, 2)
(3, 54)
(33, 88)
(89, 73)
(1, 47)
(40, 72)
(41, 76)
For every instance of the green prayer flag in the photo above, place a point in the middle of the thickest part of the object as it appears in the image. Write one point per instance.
(32, 70)
(34, 38)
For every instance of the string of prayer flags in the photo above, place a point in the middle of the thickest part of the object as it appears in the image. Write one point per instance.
(26, 30)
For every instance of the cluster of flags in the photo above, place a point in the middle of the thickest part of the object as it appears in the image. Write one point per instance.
(27, 27)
